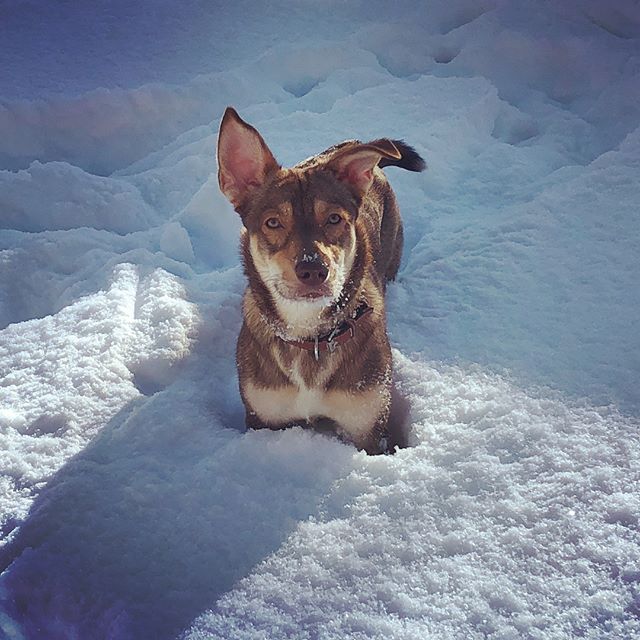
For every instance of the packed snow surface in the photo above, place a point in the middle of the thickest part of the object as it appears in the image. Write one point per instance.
(133, 503)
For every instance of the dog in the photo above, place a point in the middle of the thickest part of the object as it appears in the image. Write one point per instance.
(319, 243)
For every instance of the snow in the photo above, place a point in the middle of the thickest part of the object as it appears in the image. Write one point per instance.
(133, 503)
(57, 195)
(503, 521)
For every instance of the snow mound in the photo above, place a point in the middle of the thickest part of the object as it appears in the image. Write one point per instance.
(111, 347)
(57, 195)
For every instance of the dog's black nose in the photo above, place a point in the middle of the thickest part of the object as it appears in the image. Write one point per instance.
(312, 272)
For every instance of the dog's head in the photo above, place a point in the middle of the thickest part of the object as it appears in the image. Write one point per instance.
(301, 222)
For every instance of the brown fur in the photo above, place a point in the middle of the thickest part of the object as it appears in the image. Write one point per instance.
(280, 383)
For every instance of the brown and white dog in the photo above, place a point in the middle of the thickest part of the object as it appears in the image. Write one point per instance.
(319, 243)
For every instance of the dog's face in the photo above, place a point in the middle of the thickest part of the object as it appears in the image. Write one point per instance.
(302, 237)
(301, 222)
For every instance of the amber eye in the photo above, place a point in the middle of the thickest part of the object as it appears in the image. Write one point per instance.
(272, 223)
(334, 218)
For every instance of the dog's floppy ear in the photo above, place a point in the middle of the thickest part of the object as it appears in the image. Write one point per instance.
(354, 166)
(244, 159)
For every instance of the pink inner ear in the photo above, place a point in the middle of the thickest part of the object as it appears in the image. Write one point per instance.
(243, 162)
(359, 171)
(245, 171)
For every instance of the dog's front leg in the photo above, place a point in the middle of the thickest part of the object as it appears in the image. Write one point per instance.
(377, 440)
(390, 429)
(253, 421)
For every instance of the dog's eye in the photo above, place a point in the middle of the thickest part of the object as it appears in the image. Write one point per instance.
(272, 223)
(334, 218)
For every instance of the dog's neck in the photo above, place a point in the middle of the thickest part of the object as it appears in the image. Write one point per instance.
(292, 320)
(339, 335)
(303, 319)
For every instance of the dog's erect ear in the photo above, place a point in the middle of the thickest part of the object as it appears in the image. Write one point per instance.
(244, 160)
(354, 166)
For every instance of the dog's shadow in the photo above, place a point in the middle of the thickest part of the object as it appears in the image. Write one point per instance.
(160, 515)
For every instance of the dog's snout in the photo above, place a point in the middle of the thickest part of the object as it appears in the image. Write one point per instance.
(312, 272)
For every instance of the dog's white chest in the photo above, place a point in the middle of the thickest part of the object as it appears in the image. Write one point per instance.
(354, 412)
(307, 402)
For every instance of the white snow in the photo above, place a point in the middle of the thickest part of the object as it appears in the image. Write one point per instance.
(133, 504)
(57, 195)
(513, 516)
